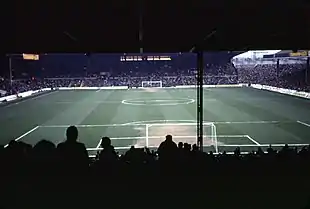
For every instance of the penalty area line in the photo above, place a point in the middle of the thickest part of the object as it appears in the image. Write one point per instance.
(255, 142)
(25, 134)
(98, 145)
(303, 123)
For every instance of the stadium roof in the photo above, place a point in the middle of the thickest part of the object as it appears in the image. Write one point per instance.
(158, 26)
(256, 53)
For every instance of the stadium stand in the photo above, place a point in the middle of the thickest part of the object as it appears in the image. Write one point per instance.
(47, 168)
(289, 76)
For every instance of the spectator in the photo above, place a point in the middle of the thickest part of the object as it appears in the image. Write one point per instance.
(108, 154)
(73, 154)
(168, 149)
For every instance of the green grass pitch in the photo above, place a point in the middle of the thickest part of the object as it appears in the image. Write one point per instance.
(242, 117)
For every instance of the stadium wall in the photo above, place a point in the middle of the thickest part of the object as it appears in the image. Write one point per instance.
(256, 86)
(23, 95)
(296, 93)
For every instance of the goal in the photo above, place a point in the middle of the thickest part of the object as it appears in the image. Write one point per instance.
(182, 132)
(152, 84)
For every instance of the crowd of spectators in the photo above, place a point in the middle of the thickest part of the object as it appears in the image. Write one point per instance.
(292, 76)
(153, 176)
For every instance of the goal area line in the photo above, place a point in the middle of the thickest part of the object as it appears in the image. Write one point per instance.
(227, 145)
(254, 143)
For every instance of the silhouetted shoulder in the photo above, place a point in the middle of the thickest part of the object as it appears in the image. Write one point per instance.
(60, 145)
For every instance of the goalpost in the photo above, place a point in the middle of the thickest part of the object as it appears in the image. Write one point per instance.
(209, 133)
(152, 84)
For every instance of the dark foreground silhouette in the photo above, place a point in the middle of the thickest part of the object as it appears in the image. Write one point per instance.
(176, 176)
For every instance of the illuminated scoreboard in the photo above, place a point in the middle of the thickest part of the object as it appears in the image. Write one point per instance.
(129, 58)
(30, 56)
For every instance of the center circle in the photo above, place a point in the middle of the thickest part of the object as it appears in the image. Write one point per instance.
(157, 102)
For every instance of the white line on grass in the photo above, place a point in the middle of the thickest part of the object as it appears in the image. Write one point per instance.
(25, 134)
(179, 124)
(88, 125)
(146, 135)
(303, 123)
(250, 138)
(249, 122)
(98, 145)
(282, 145)
(87, 102)
(226, 145)
(193, 122)
(98, 90)
(28, 99)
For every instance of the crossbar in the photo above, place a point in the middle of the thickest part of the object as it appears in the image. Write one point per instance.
(178, 137)
(181, 124)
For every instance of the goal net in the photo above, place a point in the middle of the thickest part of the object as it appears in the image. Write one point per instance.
(152, 84)
(181, 132)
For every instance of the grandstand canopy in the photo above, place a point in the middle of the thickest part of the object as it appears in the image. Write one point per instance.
(256, 54)
(157, 26)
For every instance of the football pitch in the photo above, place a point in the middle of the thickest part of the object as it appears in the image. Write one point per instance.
(243, 117)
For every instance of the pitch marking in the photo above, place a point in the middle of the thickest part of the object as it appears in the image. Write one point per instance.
(154, 123)
(135, 102)
(98, 145)
(25, 134)
(227, 145)
(214, 122)
(251, 139)
(303, 123)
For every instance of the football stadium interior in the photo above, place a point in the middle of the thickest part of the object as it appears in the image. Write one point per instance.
(84, 128)
(137, 100)
(155, 104)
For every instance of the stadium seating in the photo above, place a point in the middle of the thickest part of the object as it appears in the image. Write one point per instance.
(287, 76)
(142, 175)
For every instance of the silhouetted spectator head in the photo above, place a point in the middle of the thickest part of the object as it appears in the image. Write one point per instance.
(147, 150)
(180, 145)
(105, 142)
(237, 151)
(260, 151)
(25, 148)
(72, 134)
(1, 150)
(44, 148)
(187, 146)
(169, 138)
(12, 143)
